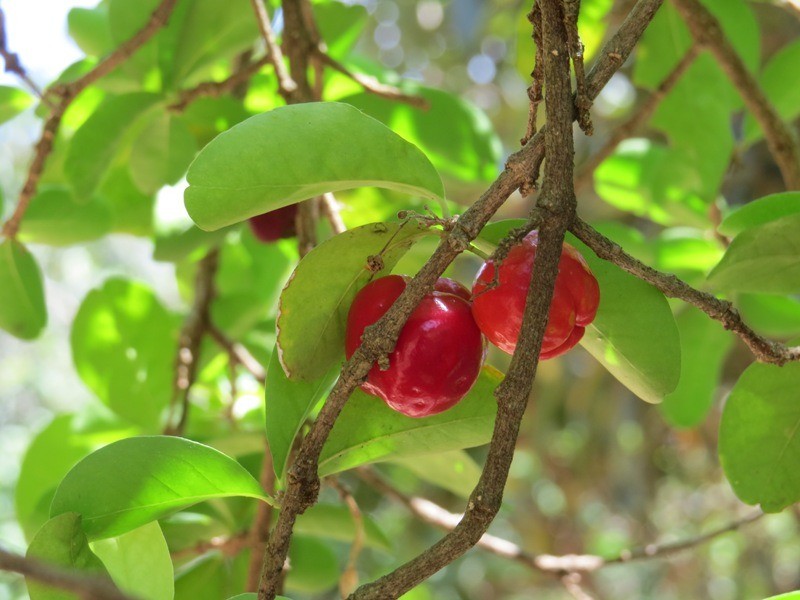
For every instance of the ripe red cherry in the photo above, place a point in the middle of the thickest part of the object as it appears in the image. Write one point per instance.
(275, 224)
(439, 352)
(499, 311)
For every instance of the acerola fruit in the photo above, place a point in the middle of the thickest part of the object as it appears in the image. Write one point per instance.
(275, 224)
(499, 310)
(439, 352)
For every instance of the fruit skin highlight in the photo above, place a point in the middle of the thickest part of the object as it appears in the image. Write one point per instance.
(498, 311)
(438, 355)
(275, 224)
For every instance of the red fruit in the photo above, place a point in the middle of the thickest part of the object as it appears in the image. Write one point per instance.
(451, 286)
(275, 224)
(499, 311)
(437, 357)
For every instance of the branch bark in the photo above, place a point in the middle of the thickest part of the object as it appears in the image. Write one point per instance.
(379, 339)
(11, 59)
(707, 31)
(86, 587)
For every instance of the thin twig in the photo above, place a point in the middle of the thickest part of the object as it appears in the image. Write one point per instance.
(194, 328)
(214, 89)
(379, 339)
(286, 85)
(537, 75)
(329, 207)
(238, 353)
(636, 120)
(371, 84)
(582, 101)
(65, 94)
(12, 62)
(228, 546)
(259, 531)
(766, 351)
(348, 582)
(781, 140)
(87, 587)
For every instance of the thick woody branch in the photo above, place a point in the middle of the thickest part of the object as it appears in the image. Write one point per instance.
(782, 142)
(86, 587)
(764, 350)
(636, 121)
(65, 94)
(379, 339)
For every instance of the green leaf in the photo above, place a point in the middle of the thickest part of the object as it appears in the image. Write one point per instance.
(123, 345)
(162, 153)
(22, 309)
(761, 211)
(311, 335)
(777, 81)
(454, 471)
(131, 210)
(704, 346)
(787, 596)
(296, 152)
(141, 479)
(759, 436)
(634, 335)
(457, 137)
(762, 259)
(178, 245)
(90, 29)
(685, 252)
(12, 102)
(770, 315)
(315, 567)
(340, 25)
(62, 542)
(368, 430)
(288, 404)
(139, 562)
(211, 576)
(94, 146)
(653, 181)
(54, 218)
(334, 521)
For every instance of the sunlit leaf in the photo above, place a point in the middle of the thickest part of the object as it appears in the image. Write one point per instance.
(141, 479)
(12, 102)
(296, 152)
(761, 211)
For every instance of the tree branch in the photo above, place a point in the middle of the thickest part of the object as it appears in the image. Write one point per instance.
(286, 85)
(214, 89)
(11, 59)
(782, 142)
(237, 353)
(637, 120)
(87, 587)
(259, 530)
(66, 93)
(671, 286)
(379, 339)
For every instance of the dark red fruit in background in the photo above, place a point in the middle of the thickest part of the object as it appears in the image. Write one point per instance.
(275, 224)
(437, 357)
(499, 311)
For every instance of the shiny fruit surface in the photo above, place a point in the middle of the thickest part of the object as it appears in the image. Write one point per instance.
(499, 310)
(439, 352)
(275, 224)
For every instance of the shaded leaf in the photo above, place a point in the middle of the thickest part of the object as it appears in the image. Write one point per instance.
(311, 335)
(137, 480)
(162, 153)
(759, 437)
(315, 567)
(368, 430)
(90, 29)
(22, 309)
(334, 521)
(454, 471)
(296, 152)
(139, 562)
(54, 218)
(770, 315)
(763, 259)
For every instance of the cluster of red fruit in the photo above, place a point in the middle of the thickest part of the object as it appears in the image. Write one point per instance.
(440, 350)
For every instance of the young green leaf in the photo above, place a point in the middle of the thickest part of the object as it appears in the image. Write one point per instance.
(93, 147)
(139, 562)
(335, 522)
(762, 259)
(288, 404)
(54, 218)
(141, 479)
(62, 542)
(454, 471)
(704, 346)
(12, 102)
(457, 137)
(22, 309)
(162, 153)
(296, 152)
(311, 335)
(759, 436)
(761, 211)
(368, 430)
(123, 345)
